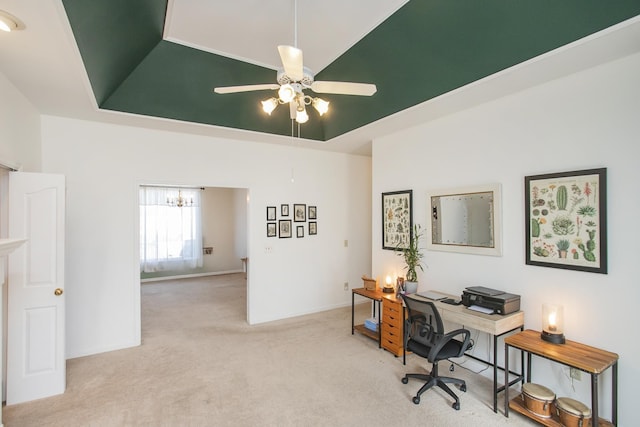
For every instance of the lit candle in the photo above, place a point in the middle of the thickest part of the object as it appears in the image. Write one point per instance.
(388, 281)
(552, 321)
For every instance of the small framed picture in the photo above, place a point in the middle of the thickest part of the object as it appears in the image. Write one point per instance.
(271, 229)
(271, 213)
(313, 228)
(313, 212)
(299, 213)
(284, 210)
(285, 228)
(299, 231)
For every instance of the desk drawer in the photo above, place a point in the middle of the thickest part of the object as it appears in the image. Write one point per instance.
(392, 343)
(392, 348)
(391, 334)
(392, 308)
(392, 319)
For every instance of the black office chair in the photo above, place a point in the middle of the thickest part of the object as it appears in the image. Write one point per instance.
(424, 335)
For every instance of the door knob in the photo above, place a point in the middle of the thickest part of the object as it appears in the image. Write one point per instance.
(58, 292)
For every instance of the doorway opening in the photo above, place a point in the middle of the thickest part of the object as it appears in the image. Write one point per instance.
(221, 242)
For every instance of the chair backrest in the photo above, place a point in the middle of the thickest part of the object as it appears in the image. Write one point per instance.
(423, 321)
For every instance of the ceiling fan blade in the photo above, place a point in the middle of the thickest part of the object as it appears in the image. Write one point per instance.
(291, 58)
(344, 88)
(246, 88)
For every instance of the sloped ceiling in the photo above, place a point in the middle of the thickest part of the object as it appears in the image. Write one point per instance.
(425, 49)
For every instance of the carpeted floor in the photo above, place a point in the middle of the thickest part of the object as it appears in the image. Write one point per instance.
(201, 364)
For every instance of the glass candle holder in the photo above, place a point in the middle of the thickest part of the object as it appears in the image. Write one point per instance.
(553, 323)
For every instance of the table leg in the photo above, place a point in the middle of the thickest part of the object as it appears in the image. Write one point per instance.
(379, 327)
(404, 338)
(495, 374)
(614, 394)
(594, 400)
(352, 314)
(506, 380)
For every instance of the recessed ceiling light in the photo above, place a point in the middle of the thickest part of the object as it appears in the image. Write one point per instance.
(9, 22)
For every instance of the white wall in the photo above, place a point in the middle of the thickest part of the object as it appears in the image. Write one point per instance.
(221, 214)
(19, 148)
(104, 164)
(586, 120)
(19, 129)
(240, 203)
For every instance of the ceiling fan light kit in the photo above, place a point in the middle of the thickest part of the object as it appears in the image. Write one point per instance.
(293, 79)
(9, 22)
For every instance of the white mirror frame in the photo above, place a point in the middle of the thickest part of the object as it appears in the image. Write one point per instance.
(496, 250)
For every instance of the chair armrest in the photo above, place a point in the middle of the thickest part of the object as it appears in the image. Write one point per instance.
(444, 339)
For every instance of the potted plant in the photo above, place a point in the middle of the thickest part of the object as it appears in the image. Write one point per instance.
(413, 259)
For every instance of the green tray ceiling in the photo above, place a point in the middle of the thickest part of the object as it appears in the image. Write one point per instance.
(425, 49)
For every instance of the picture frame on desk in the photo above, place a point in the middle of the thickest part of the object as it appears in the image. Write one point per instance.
(566, 220)
(397, 219)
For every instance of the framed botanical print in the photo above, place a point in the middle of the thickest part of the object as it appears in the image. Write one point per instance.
(271, 229)
(313, 228)
(397, 219)
(566, 220)
(313, 212)
(284, 210)
(300, 231)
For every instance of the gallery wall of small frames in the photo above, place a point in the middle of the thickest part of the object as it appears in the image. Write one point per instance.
(281, 223)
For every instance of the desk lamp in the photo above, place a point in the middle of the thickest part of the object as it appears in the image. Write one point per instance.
(552, 323)
(388, 286)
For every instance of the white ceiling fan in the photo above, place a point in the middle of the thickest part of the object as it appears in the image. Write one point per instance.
(293, 78)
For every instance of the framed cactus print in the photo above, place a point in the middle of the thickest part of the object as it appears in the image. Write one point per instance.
(566, 220)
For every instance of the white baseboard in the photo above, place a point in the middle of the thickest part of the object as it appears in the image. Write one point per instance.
(187, 276)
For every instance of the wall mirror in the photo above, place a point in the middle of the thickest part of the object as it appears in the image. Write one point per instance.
(466, 220)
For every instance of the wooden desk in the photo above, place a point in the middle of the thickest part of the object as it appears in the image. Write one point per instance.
(573, 354)
(496, 325)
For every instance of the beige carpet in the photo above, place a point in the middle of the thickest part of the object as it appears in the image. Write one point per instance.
(201, 364)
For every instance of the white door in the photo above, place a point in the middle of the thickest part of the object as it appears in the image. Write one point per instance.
(36, 364)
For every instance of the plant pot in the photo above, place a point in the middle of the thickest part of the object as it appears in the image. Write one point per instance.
(410, 287)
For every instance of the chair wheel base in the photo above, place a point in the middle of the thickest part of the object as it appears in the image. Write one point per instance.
(456, 406)
(463, 388)
(405, 380)
(416, 400)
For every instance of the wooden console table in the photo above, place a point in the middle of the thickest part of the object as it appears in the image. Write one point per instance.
(573, 354)
(375, 296)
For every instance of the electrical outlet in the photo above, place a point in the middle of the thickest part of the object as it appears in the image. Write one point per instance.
(268, 249)
(346, 286)
(576, 374)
